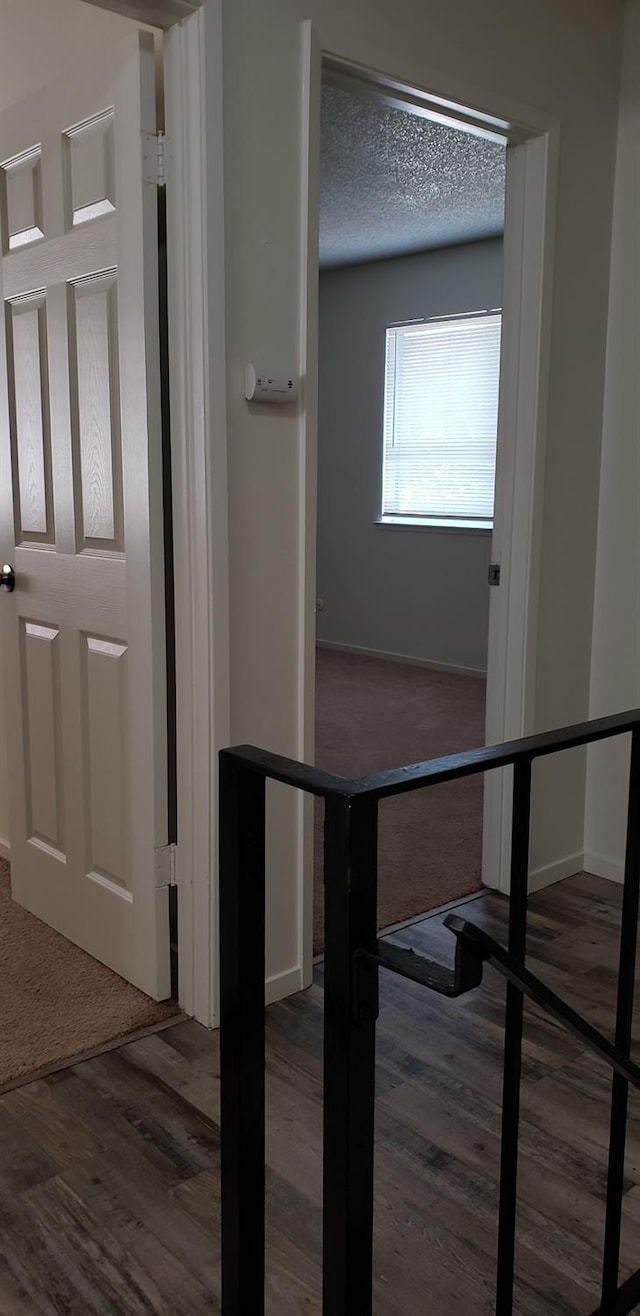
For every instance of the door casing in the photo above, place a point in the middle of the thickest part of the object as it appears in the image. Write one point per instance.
(195, 264)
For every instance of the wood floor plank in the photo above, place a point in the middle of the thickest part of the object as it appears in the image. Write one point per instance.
(70, 1264)
(110, 1171)
(177, 1291)
(72, 1126)
(195, 1076)
(14, 1298)
(23, 1163)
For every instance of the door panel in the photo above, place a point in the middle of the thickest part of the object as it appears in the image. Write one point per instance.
(93, 332)
(105, 730)
(28, 388)
(41, 720)
(81, 514)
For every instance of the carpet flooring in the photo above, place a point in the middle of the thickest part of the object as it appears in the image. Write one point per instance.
(56, 1002)
(372, 714)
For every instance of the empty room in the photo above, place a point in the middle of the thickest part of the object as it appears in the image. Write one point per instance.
(411, 252)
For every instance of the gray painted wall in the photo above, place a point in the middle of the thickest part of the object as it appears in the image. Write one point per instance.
(418, 593)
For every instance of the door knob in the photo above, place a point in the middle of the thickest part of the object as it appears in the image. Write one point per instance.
(7, 578)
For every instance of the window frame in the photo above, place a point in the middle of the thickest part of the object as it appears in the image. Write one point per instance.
(425, 521)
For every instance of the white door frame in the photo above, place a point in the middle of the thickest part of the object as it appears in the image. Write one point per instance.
(524, 371)
(528, 268)
(195, 259)
(197, 335)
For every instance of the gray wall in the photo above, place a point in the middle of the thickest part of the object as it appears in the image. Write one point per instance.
(420, 593)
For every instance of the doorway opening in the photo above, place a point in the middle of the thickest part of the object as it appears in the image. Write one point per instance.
(410, 312)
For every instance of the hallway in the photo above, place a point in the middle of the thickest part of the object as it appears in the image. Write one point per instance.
(109, 1171)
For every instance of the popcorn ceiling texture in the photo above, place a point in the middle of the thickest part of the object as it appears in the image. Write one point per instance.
(392, 182)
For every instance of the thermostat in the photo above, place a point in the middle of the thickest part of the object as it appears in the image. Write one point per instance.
(260, 386)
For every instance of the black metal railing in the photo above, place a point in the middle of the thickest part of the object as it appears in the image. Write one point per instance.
(353, 956)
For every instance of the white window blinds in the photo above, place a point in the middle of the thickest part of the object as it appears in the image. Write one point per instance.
(440, 418)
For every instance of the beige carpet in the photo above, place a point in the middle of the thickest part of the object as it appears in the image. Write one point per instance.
(372, 714)
(56, 1002)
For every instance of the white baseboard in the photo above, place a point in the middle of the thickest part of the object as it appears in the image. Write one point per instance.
(5, 850)
(401, 658)
(284, 984)
(557, 871)
(602, 866)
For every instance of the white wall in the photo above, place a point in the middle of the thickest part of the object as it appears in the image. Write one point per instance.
(41, 40)
(561, 56)
(413, 592)
(615, 681)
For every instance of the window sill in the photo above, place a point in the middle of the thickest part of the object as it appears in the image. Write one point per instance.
(432, 523)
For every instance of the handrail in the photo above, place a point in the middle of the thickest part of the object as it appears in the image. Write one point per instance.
(353, 957)
(474, 949)
(464, 977)
(491, 952)
(432, 772)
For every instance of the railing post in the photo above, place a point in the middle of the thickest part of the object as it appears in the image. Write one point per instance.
(350, 875)
(520, 829)
(242, 1034)
(624, 1021)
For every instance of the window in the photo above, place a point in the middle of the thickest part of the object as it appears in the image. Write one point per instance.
(440, 420)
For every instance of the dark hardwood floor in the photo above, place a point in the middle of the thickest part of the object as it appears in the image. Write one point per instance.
(109, 1185)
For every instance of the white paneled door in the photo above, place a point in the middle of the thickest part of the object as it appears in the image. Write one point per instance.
(81, 518)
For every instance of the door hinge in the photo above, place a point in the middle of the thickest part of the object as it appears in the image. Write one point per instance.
(155, 159)
(165, 865)
(494, 573)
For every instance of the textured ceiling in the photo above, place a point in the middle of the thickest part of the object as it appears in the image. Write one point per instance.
(392, 182)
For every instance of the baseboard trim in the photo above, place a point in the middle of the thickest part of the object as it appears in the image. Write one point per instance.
(601, 865)
(5, 850)
(557, 871)
(284, 984)
(401, 658)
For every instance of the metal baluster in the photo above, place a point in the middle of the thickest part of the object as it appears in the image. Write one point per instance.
(242, 973)
(520, 829)
(349, 1056)
(624, 1020)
